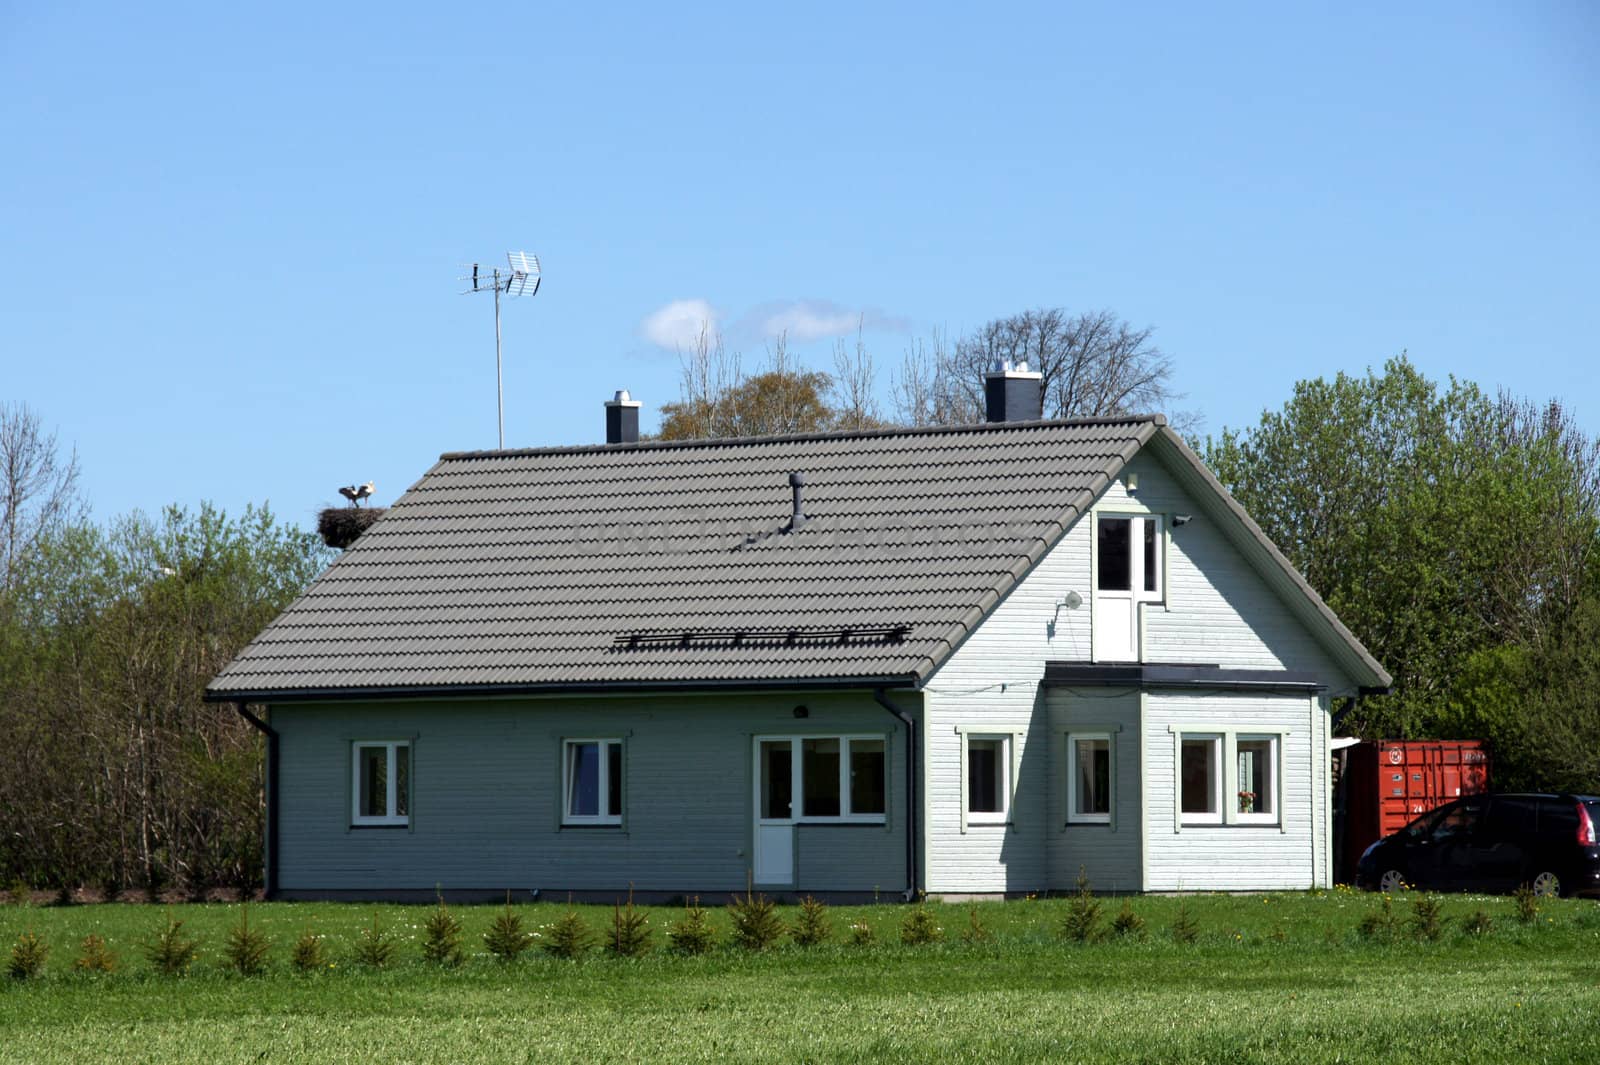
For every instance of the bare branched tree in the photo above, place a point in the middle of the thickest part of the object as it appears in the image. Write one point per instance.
(924, 392)
(38, 487)
(854, 376)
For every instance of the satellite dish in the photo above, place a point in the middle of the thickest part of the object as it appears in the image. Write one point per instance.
(519, 278)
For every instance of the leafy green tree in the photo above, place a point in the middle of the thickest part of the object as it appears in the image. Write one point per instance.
(1438, 523)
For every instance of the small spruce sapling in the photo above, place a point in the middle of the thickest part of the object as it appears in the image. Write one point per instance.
(862, 934)
(1426, 920)
(1127, 923)
(374, 947)
(919, 927)
(169, 951)
(693, 933)
(569, 937)
(756, 925)
(630, 930)
(94, 956)
(307, 955)
(811, 925)
(1185, 929)
(441, 937)
(506, 938)
(1527, 904)
(28, 956)
(1479, 923)
(1378, 924)
(976, 931)
(1081, 924)
(245, 949)
(19, 894)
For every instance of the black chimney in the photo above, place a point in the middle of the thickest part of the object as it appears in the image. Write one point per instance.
(1013, 393)
(622, 419)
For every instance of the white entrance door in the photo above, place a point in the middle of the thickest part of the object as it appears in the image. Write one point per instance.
(775, 812)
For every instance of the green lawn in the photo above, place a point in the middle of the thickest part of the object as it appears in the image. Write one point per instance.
(1271, 978)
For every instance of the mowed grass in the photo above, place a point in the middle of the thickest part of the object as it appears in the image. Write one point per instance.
(1272, 978)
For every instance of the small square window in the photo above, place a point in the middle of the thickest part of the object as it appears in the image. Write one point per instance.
(988, 778)
(381, 786)
(1089, 777)
(592, 782)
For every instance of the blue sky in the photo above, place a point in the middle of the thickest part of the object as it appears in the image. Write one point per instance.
(231, 236)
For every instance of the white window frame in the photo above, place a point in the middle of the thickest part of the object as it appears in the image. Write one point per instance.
(1274, 756)
(1008, 747)
(1219, 755)
(604, 745)
(846, 815)
(1083, 817)
(1227, 783)
(1137, 520)
(391, 784)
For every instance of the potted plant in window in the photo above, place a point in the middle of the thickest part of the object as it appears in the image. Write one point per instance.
(1247, 802)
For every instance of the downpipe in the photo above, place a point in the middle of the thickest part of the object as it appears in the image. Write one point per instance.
(913, 777)
(270, 873)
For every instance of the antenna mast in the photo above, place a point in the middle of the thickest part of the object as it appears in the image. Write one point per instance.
(520, 277)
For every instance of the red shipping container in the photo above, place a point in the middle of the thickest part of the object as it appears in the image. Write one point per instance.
(1385, 785)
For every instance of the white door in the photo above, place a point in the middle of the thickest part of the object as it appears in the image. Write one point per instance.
(775, 812)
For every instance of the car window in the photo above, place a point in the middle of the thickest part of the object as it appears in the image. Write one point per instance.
(1511, 817)
(1558, 819)
(1458, 820)
(1423, 826)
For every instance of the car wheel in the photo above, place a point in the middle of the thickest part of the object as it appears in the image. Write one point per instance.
(1391, 881)
(1546, 885)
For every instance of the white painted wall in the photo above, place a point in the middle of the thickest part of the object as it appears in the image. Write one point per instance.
(1217, 609)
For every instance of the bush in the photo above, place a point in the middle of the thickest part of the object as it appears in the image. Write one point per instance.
(1426, 920)
(919, 927)
(1185, 929)
(630, 930)
(1527, 904)
(755, 921)
(693, 934)
(28, 956)
(976, 931)
(506, 938)
(1083, 912)
(246, 948)
(169, 952)
(862, 934)
(1478, 924)
(1128, 923)
(441, 937)
(569, 937)
(374, 947)
(811, 924)
(94, 956)
(1378, 924)
(307, 954)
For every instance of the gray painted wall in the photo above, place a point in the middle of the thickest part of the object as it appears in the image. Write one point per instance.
(1108, 853)
(486, 788)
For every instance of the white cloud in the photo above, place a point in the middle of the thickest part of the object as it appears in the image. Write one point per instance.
(805, 320)
(677, 325)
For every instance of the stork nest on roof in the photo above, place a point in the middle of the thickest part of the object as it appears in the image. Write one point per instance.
(341, 526)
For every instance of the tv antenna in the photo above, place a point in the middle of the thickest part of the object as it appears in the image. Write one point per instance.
(520, 277)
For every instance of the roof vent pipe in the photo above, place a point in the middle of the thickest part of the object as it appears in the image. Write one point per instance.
(1013, 393)
(622, 419)
(797, 481)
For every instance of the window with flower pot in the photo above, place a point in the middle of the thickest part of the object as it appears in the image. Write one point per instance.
(1226, 777)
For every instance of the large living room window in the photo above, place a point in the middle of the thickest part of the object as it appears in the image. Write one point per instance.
(381, 783)
(592, 782)
(1228, 778)
(842, 778)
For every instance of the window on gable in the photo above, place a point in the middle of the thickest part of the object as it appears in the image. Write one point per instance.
(592, 782)
(988, 778)
(1089, 778)
(381, 789)
(1128, 555)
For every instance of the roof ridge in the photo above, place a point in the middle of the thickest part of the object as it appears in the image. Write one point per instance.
(788, 438)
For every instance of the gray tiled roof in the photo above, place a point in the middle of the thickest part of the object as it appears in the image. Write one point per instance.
(523, 568)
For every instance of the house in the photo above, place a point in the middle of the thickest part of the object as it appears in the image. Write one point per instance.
(956, 660)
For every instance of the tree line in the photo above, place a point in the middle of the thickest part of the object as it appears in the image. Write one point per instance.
(1457, 533)
(113, 773)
